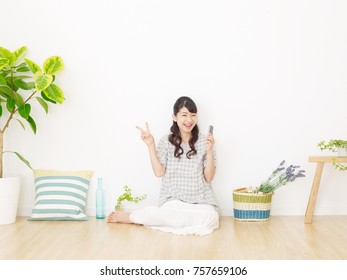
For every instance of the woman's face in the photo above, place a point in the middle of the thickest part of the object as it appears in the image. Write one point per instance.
(186, 120)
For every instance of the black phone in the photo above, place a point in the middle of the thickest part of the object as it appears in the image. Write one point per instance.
(211, 129)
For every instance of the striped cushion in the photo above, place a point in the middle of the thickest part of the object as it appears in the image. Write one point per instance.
(60, 195)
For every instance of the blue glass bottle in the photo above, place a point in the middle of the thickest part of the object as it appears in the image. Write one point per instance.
(100, 201)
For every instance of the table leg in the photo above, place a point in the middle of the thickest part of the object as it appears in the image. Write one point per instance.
(314, 193)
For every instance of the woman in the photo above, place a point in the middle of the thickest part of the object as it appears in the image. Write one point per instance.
(185, 161)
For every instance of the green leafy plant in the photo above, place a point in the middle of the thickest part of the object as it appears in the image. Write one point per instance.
(22, 82)
(332, 145)
(127, 196)
(335, 145)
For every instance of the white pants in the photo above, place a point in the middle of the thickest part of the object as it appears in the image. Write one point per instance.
(178, 217)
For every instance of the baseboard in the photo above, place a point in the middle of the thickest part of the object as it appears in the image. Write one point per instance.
(275, 211)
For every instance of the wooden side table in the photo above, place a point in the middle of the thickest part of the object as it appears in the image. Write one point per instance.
(316, 181)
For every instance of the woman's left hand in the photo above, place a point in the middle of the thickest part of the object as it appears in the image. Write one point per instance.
(209, 142)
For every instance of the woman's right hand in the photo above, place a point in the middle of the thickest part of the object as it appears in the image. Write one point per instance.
(146, 136)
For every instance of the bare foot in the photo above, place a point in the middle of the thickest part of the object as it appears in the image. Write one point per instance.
(119, 217)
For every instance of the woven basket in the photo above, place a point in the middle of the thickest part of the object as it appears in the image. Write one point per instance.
(251, 206)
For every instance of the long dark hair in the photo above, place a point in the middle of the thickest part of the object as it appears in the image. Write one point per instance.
(175, 136)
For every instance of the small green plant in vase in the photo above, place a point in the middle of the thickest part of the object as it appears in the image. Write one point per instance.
(335, 145)
(128, 196)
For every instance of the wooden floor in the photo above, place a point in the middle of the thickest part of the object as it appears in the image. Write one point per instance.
(280, 238)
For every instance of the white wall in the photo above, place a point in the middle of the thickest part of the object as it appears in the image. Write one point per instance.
(269, 75)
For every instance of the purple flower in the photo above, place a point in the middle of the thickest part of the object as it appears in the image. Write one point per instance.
(280, 177)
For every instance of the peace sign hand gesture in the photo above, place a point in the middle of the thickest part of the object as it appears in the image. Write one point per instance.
(146, 136)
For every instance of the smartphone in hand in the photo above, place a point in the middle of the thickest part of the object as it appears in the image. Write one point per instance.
(211, 129)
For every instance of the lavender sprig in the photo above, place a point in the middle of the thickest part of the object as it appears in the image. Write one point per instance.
(281, 176)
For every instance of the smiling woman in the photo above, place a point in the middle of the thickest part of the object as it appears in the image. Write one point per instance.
(186, 162)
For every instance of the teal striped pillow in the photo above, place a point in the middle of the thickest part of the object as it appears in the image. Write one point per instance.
(60, 195)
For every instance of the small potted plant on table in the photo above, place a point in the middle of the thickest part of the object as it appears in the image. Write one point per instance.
(336, 146)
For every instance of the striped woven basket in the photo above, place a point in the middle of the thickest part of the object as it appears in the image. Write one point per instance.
(251, 206)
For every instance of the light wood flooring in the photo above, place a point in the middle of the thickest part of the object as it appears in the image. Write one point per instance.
(280, 238)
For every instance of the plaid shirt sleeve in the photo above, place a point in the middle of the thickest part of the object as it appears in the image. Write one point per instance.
(162, 150)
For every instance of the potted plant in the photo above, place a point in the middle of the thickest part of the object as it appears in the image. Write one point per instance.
(127, 196)
(336, 146)
(22, 82)
(254, 204)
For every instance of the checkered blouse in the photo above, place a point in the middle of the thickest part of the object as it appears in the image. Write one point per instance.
(183, 178)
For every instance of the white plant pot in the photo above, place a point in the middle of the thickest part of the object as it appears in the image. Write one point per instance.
(9, 196)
